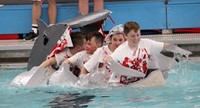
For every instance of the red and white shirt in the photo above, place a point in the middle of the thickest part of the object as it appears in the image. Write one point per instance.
(60, 57)
(79, 59)
(137, 59)
(98, 57)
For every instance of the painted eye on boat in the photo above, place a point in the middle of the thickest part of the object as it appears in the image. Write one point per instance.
(46, 39)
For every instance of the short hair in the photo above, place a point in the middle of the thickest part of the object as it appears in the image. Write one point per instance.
(128, 26)
(98, 37)
(77, 39)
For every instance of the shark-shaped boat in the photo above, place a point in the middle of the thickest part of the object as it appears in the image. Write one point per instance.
(48, 38)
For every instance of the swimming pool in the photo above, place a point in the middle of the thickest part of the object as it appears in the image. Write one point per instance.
(182, 90)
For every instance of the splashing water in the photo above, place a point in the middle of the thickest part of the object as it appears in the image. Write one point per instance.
(181, 71)
(179, 92)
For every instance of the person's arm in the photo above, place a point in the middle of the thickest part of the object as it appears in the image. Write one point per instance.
(175, 49)
(48, 62)
(84, 71)
(92, 63)
(74, 59)
(108, 59)
(166, 45)
(67, 61)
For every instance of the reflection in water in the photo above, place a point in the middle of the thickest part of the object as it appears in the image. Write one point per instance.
(75, 100)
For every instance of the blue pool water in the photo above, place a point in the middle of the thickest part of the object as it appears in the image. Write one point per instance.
(182, 90)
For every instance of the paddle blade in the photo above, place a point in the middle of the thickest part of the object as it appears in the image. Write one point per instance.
(119, 69)
(162, 62)
(176, 49)
(63, 76)
(38, 78)
(23, 78)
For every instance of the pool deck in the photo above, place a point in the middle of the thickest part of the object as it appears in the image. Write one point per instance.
(15, 45)
(13, 52)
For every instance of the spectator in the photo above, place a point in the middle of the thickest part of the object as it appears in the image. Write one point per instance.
(84, 6)
(36, 13)
(84, 9)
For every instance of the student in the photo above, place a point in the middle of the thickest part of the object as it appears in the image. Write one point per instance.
(135, 53)
(78, 41)
(94, 40)
(84, 6)
(84, 10)
(36, 13)
(96, 63)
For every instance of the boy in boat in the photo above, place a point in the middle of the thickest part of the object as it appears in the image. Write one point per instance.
(94, 40)
(135, 53)
(55, 61)
(78, 40)
(96, 64)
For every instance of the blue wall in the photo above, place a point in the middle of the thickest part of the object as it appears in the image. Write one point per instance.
(183, 14)
(150, 14)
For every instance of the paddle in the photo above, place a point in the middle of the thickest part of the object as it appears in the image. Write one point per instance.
(63, 76)
(24, 77)
(176, 49)
(119, 69)
(38, 78)
(161, 62)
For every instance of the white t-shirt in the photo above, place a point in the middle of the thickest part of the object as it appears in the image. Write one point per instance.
(139, 58)
(98, 57)
(79, 59)
(105, 51)
(60, 57)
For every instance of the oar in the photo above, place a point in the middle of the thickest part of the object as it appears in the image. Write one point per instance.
(63, 76)
(176, 49)
(162, 62)
(38, 78)
(119, 69)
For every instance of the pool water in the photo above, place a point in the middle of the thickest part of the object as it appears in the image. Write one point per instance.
(182, 90)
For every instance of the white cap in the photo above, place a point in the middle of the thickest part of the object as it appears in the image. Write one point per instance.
(118, 29)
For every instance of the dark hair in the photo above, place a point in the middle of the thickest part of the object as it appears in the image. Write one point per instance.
(128, 26)
(98, 37)
(77, 39)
